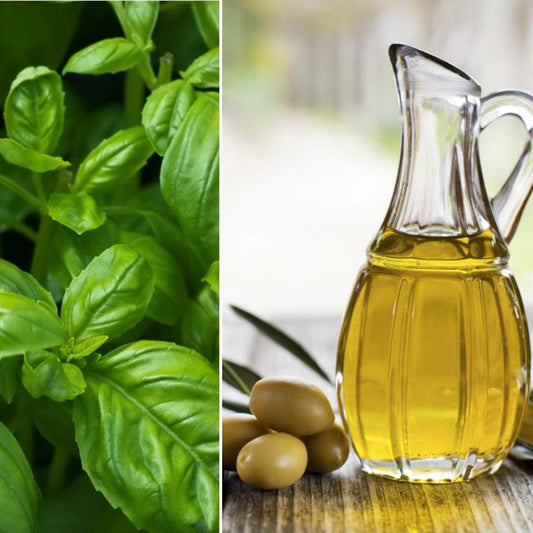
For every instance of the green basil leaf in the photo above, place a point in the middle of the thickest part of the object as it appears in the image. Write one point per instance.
(114, 160)
(161, 402)
(206, 16)
(27, 325)
(43, 374)
(110, 296)
(78, 211)
(71, 253)
(212, 277)
(189, 179)
(199, 327)
(34, 110)
(170, 294)
(105, 57)
(13, 279)
(16, 154)
(165, 110)
(203, 71)
(54, 421)
(87, 347)
(137, 19)
(19, 493)
(9, 377)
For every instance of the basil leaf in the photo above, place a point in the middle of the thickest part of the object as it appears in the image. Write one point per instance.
(19, 492)
(87, 347)
(34, 110)
(189, 179)
(13, 279)
(105, 57)
(164, 111)
(54, 421)
(110, 296)
(43, 374)
(199, 326)
(114, 160)
(78, 211)
(9, 377)
(161, 402)
(27, 325)
(137, 19)
(16, 154)
(212, 277)
(206, 17)
(203, 71)
(170, 294)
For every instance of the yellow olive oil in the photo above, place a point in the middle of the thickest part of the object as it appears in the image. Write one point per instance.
(434, 358)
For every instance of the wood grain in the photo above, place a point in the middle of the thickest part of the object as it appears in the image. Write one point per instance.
(349, 500)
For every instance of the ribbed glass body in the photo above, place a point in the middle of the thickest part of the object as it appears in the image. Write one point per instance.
(433, 358)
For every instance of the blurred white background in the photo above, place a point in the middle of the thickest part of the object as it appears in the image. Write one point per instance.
(311, 135)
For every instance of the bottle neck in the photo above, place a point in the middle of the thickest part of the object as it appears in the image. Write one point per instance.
(438, 191)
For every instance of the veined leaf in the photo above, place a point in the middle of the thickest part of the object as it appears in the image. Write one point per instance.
(160, 401)
(189, 178)
(19, 493)
(34, 110)
(105, 57)
(170, 293)
(27, 325)
(137, 19)
(17, 154)
(283, 340)
(114, 160)
(110, 296)
(165, 110)
(239, 376)
(206, 16)
(43, 374)
(13, 279)
(78, 211)
(203, 71)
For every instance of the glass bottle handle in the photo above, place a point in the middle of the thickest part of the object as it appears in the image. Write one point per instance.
(509, 202)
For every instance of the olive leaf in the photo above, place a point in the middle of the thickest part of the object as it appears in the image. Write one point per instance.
(235, 406)
(17, 154)
(239, 376)
(283, 340)
(164, 111)
(27, 325)
(162, 399)
(203, 71)
(78, 211)
(19, 493)
(105, 57)
(206, 15)
(190, 171)
(110, 296)
(114, 160)
(34, 109)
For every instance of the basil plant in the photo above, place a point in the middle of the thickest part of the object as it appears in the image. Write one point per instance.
(109, 270)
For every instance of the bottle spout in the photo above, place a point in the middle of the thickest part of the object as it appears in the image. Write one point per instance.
(419, 71)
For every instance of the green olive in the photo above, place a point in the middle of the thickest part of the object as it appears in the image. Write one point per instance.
(327, 450)
(272, 461)
(237, 430)
(291, 405)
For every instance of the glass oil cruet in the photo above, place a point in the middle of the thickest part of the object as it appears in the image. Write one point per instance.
(433, 361)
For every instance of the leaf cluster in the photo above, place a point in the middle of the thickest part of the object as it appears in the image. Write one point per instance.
(109, 281)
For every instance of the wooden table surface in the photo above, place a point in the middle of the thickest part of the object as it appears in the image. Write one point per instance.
(348, 500)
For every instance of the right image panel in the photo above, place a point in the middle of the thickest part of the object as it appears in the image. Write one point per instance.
(376, 277)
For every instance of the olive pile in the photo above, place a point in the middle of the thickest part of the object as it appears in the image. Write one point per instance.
(293, 430)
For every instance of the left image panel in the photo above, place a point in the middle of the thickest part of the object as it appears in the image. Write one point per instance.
(109, 246)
